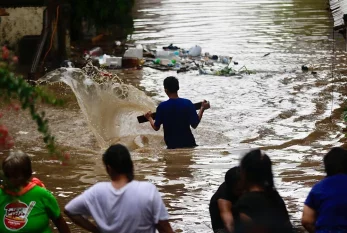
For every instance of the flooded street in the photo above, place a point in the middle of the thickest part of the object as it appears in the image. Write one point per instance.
(280, 108)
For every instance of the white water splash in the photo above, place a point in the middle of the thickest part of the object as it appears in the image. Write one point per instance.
(109, 106)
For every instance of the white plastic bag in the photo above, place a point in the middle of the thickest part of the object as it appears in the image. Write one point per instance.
(195, 51)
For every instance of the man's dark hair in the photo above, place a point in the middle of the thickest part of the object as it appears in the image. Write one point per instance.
(335, 161)
(171, 84)
(119, 159)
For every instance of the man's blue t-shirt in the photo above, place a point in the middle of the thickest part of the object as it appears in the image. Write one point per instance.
(177, 115)
(329, 199)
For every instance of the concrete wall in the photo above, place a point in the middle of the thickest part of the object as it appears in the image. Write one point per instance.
(21, 22)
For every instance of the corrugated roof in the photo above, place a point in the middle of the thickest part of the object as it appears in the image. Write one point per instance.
(21, 3)
(338, 9)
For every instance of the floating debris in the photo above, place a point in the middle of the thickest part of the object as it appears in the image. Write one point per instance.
(304, 68)
(171, 58)
(225, 71)
(171, 47)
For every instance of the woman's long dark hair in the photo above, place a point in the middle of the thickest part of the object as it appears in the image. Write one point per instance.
(119, 159)
(257, 170)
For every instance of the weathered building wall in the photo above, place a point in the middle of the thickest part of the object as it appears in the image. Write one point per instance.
(21, 21)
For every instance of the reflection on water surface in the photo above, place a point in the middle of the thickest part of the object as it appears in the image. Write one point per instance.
(280, 108)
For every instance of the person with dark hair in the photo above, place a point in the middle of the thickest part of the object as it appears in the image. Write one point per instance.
(222, 201)
(25, 204)
(260, 209)
(123, 205)
(326, 204)
(177, 115)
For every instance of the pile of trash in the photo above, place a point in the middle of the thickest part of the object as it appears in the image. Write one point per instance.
(181, 60)
(169, 58)
(132, 58)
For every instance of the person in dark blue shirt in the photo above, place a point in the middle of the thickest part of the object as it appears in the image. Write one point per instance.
(325, 209)
(176, 115)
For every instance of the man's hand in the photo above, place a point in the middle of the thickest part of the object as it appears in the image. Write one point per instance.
(205, 105)
(148, 115)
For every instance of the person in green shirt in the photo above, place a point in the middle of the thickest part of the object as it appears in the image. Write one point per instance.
(30, 207)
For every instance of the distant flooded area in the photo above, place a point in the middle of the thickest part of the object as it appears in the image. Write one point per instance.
(279, 108)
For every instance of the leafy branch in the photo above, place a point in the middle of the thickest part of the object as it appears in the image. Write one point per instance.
(344, 116)
(16, 87)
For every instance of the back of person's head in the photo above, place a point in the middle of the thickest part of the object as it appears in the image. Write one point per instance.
(171, 84)
(335, 161)
(232, 176)
(117, 157)
(256, 168)
(17, 168)
(232, 180)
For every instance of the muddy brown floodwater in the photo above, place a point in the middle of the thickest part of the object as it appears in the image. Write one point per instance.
(280, 108)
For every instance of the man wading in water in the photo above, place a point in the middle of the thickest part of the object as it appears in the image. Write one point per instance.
(177, 115)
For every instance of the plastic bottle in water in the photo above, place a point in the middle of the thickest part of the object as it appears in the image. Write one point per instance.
(167, 54)
(224, 59)
(183, 53)
(95, 52)
(165, 62)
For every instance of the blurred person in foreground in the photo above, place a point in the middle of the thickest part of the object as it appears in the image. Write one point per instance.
(122, 205)
(25, 204)
(223, 200)
(325, 209)
(260, 209)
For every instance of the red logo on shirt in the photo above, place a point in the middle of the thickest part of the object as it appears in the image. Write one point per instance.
(16, 216)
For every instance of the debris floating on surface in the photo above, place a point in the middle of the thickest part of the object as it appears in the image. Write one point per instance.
(170, 58)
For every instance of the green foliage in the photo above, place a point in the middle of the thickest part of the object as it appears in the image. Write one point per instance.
(344, 116)
(225, 71)
(16, 88)
(12, 87)
(103, 13)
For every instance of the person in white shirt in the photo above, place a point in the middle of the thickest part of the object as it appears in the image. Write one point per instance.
(123, 205)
